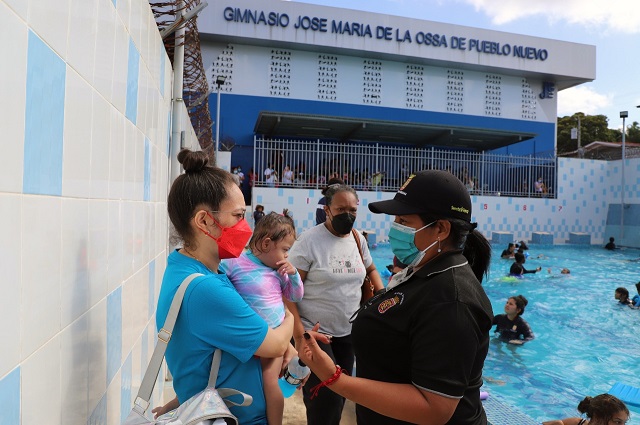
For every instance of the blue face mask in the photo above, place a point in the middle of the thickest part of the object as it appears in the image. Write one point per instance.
(402, 243)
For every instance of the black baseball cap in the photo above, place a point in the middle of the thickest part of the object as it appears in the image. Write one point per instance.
(434, 192)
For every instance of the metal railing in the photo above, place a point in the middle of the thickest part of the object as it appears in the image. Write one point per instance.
(378, 167)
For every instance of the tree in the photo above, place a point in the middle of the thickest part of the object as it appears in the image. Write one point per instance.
(593, 128)
(633, 132)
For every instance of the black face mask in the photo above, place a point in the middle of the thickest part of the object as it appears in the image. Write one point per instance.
(343, 223)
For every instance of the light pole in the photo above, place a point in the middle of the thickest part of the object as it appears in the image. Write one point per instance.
(623, 115)
(219, 82)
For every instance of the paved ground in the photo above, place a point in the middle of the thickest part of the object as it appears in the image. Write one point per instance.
(294, 413)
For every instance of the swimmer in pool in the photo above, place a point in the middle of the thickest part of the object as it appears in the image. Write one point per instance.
(563, 271)
(517, 268)
(603, 409)
(511, 326)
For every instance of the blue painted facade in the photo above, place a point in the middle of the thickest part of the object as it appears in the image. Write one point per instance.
(238, 115)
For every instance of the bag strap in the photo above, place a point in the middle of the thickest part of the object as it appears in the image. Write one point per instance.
(225, 392)
(356, 236)
(141, 403)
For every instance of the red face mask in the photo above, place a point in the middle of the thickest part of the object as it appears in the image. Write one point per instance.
(233, 239)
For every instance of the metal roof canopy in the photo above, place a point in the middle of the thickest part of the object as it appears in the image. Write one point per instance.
(283, 124)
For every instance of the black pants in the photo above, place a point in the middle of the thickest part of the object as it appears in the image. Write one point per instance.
(326, 407)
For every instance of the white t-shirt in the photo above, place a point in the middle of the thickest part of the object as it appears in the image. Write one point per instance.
(332, 287)
(287, 177)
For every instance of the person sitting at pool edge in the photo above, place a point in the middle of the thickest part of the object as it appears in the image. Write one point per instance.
(603, 409)
(611, 245)
(508, 253)
(517, 268)
(511, 325)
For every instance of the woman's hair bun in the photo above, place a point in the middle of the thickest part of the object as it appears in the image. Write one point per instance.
(192, 161)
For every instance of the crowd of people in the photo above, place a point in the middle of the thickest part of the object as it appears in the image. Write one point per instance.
(290, 294)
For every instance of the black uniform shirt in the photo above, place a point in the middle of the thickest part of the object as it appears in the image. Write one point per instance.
(432, 331)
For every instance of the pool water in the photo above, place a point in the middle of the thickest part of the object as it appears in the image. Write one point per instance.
(585, 342)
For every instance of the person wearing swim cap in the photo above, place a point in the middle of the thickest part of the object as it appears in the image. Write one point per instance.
(422, 343)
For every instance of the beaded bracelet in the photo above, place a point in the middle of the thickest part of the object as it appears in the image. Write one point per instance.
(314, 391)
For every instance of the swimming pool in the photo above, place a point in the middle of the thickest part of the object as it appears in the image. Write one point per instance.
(584, 343)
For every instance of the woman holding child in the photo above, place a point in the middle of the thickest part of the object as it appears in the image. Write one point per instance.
(207, 209)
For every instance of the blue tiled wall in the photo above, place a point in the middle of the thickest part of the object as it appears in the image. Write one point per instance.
(586, 189)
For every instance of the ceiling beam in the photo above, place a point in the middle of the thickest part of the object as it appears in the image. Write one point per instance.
(441, 138)
(354, 130)
(274, 127)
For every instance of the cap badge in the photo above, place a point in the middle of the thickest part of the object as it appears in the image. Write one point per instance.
(460, 209)
(405, 184)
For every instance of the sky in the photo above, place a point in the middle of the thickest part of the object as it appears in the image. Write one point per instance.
(613, 26)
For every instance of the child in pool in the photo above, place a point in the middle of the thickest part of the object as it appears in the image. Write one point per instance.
(262, 276)
(511, 326)
(622, 295)
(517, 269)
(603, 409)
(563, 271)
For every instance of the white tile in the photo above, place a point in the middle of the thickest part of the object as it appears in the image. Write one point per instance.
(97, 354)
(154, 52)
(148, 235)
(138, 236)
(76, 172)
(97, 250)
(141, 297)
(161, 227)
(136, 367)
(142, 99)
(168, 79)
(160, 267)
(138, 145)
(40, 296)
(114, 394)
(116, 154)
(132, 136)
(152, 100)
(105, 44)
(12, 108)
(100, 139)
(20, 7)
(123, 8)
(50, 20)
(83, 27)
(114, 249)
(120, 67)
(152, 115)
(154, 174)
(74, 282)
(135, 26)
(10, 211)
(74, 371)
(128, 238)
(129, 306)
(145, 10)
(41, 385)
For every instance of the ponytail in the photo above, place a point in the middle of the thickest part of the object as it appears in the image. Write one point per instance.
(477, 250)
